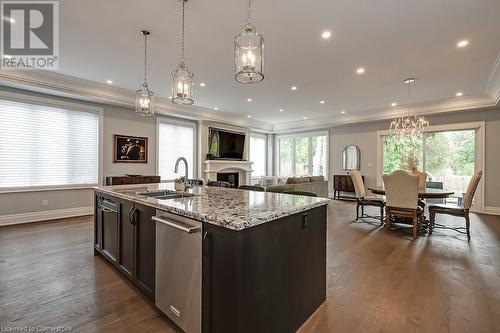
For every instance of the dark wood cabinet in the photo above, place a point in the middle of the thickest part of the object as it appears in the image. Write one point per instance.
(145, 239)
(126, 260)
(343, 184)
(109, 228)
(268, 278)
(126, 236)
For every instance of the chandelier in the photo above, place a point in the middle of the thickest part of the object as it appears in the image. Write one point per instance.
(409, 125)
(144, 98)
(182, 78)
(249, 53)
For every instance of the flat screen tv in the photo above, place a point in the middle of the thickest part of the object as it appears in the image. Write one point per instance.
(226, 145)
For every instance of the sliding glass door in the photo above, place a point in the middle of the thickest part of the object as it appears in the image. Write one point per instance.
(448, 157)
(302, 154)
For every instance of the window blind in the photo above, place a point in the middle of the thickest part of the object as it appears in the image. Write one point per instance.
(47, 146)
(175, 140)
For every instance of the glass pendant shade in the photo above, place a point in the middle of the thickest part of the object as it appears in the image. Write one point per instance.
(144, 101)
(182, 85)
(249, 56)
(144, 98)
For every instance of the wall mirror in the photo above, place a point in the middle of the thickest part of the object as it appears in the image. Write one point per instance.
(351, 158)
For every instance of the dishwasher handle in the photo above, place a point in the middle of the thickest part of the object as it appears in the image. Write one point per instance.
(177, 225)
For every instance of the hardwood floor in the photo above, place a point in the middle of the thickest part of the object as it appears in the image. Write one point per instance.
(378, 281)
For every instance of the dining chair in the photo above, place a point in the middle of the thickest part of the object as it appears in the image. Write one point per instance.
(362, 200)
(218, 183)
(401, 195)
(195, 182)
(455, 210)
(422, 178)
(252, 188)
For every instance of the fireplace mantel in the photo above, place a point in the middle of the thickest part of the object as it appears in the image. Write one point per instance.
(244, 169)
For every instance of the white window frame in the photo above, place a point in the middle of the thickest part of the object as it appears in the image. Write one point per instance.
(301, 135)
(479, 162)
(56, 103)
(265, 136)
(177, 122)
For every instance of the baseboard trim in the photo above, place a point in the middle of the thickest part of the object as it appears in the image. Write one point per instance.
(492, 210)
(45, 215)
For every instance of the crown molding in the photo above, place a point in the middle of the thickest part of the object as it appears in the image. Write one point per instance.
(60, 85)
(426, 108)
(492, 88)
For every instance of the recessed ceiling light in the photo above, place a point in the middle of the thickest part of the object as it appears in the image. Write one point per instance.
(459, 94)
(9, 19)
(249, 116)
(249, 99)
(281, 110)
(216, 108)
(322, 102)
(109, 81)
(394, 104)
(463, 43)
(293, 88)
(326, 34)
(360, 70)
(6, 56)
(202, 84)
(343, 112)
(305, 118)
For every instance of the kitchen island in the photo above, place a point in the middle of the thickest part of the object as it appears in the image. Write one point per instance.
(215, 259)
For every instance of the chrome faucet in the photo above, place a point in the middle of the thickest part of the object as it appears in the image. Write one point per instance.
(186, 184)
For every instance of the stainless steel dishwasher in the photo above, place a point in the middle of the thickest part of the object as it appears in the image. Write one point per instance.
(178, 269)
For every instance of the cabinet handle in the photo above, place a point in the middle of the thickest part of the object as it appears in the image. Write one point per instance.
(132, 216)
(107, 210)
(207, 238)
(305, 220)
(177, 225)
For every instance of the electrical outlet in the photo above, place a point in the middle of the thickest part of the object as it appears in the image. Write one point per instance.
(45, 202)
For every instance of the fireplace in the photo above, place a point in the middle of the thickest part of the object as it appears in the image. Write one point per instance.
(230, 177)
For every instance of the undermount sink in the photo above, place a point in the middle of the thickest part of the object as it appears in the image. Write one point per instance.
(163, 195)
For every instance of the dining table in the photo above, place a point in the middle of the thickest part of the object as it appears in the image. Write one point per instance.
(423, 193)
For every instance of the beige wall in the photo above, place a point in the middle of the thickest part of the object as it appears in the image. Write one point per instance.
(365, 137)
(116, 120)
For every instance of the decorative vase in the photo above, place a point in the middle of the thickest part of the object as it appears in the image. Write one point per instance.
(179, 186)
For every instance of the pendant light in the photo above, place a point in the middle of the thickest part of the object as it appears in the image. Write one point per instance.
(408, 125)
(182, 78)
(144, 98)
(249, 53)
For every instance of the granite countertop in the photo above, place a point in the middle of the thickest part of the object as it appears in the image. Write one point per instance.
(230, 208)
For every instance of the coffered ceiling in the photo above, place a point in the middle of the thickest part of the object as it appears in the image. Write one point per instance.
(100, 41)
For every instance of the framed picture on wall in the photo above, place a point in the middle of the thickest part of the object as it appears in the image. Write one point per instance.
(130, 149)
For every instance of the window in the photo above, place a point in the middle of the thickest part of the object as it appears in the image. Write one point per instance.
(258, 154)
(302, 155)
(175, 139)
(448, 157)
(45, 146)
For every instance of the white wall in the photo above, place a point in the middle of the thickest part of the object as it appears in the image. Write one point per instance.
(116, 120)
(365, 137)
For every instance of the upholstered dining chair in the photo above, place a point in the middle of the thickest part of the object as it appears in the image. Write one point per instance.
(422, 178)
(454, 210)
(218, 183)
(401, 195)
(362, 200)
